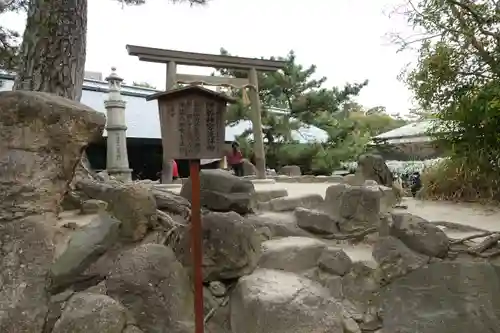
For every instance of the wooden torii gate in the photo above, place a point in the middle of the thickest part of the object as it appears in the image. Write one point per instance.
(173, 58)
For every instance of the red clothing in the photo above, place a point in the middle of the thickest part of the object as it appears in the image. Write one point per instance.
(175, 171)
(234, 157)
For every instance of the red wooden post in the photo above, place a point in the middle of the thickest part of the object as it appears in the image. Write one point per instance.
(196, 244)
(193, 128)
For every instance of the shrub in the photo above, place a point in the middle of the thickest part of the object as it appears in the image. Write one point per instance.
(311, 158)
(459, 180)
(399, 168)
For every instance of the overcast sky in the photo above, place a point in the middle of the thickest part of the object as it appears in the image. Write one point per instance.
(344, 38)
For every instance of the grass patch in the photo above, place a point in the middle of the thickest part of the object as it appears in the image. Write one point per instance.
(460, 181)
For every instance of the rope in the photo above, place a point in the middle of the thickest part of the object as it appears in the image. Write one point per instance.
(224, 85)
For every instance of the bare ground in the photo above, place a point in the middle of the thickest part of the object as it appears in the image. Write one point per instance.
(467, 214)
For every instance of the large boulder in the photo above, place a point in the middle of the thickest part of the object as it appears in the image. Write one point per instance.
(419, 234)
(26, 254)
(154, 287)
(41, 140)
(333, 197)
(315, 221)
(278, 224)
(281, 302)
(86, 312)
(84, 247)
(171, 202)
(335, 261)
(444, 297)
(221, 191)
(248, 168)
(93, 206)
(357, 206)
(373, 167)
(395, 259)
(289, 203)
(217, 309)
(231, 246)
(360, 287)
(290, 170)
(133, 204)
(291, 254)
(265, 195)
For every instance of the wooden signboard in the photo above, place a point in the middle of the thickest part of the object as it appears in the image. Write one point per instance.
(193, 122)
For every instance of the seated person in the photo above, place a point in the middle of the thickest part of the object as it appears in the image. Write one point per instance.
(235, 159)
(175, 170)
(416, 183)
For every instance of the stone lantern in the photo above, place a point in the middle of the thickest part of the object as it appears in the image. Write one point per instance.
(116, 155)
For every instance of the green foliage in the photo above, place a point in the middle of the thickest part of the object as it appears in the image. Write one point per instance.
(303, 102)
(401, 168)
(9, 39)
(374, 121)
(419, 114)
(306, 102)
(457, 76)
(456, 179)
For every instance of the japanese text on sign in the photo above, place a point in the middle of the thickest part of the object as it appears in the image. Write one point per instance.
(219, 126)
(210, 122)
(182, 129)
(197, 111)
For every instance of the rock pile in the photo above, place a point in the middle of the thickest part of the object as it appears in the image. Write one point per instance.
(120, 261)
(373, 168)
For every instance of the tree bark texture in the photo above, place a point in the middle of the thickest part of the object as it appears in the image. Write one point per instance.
(54, 48)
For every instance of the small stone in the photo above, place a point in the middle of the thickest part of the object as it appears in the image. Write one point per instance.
(217, 288)
(291, 202)
(370, 324)
(291, 254)
(395, 260)
(222, 192)
(419, 234)
(132, 329)
(265, 195)
(85, 246)
(290, 170)
(231, 247)
(335, 261)
(350, 326)
(70, 225)
(352, 311)
(93, 206)
(359, 286)
(62, 297)
(99, 288)
(95, 313)
(315, 221)
(331, 282)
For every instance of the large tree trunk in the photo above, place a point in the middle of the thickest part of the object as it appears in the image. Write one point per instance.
(54, 48)
(53, 53)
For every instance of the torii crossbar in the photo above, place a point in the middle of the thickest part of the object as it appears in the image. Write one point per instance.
(173, 58)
